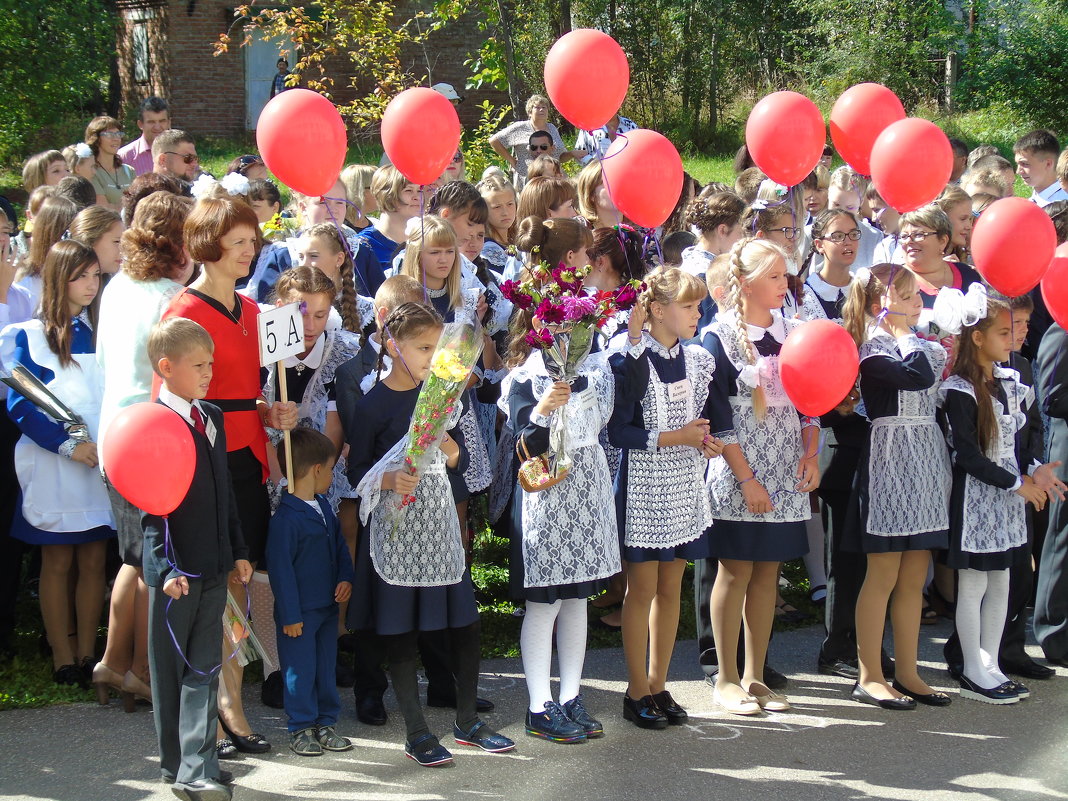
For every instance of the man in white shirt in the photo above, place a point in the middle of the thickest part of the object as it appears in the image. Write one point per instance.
(1036, 159)
(600, 140)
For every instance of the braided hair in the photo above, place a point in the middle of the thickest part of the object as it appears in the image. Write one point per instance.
(405, 322)
(346, 298)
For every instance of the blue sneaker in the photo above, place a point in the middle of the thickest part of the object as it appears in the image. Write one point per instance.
(482, 736)
(428, 752)
(577, 713)
(554, 724)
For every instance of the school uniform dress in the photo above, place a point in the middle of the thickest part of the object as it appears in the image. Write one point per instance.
(901, 498)
(963, 277)
(564, 544)
(278, 257)
(662, 510)
(308, 558)
(201, 539)
(988, 524)
(772, 446)
(63, 502)
(822, 301)
(695, 261)
(235, 387)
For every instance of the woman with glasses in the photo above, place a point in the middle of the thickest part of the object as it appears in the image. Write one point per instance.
(516, 145)
(111, 175)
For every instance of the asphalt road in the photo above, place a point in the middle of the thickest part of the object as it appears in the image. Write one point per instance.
(829, 747)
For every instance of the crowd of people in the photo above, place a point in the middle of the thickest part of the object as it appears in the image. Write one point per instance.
(932, 488)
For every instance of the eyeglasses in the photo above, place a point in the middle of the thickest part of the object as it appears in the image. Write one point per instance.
(838, 237)
(915, 236)
(112, 134)
(188, 158)
(457, 157)
(790, 233)
(536, 148)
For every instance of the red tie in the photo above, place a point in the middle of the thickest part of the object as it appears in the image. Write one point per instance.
(198, 419)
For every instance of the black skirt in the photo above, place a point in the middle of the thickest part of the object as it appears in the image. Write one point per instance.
(253, 505)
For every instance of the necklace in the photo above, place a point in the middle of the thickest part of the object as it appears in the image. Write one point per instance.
(237, 319)
(113, 176)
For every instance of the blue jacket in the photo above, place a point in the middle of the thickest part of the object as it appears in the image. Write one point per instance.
(308, 558)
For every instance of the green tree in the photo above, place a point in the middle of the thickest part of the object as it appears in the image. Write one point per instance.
(57, 57)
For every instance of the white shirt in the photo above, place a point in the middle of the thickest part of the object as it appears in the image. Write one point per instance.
(182, 406)
(1051, 194)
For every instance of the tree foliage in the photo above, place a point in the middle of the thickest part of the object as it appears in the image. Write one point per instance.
(56, 64)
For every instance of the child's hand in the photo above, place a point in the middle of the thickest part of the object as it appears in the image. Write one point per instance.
(712, 447)
(1046, 480)
(282, 416)
(1031, 493)
(557, 395)
(636, 323)
(400, 481)
(694, 434)
(293, 629)
(850, 402)
(85, 452)
(176, 587)
(243, 568)
(808, 474)
(756, 497)
(342, 592)
(449, 446)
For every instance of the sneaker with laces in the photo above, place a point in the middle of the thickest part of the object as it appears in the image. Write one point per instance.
(576, 713)
(554, 724)
(330, 740)
(304, 743)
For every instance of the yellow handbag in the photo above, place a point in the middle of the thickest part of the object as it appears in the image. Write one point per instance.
(535, 474)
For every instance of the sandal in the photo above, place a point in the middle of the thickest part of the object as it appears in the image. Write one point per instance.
(928, 616)
(786, 613)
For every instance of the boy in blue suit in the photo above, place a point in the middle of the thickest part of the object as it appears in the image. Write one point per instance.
(311, 572)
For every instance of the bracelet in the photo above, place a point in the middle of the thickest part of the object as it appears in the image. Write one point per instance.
(635, 340)
(747, 479)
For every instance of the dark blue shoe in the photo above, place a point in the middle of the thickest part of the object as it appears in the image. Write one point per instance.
(1003, 694)
(643, 713)
(482, 736)
(577, 713)
(428, 752)
(554, 724)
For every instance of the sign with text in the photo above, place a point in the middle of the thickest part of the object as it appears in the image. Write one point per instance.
(281, 333)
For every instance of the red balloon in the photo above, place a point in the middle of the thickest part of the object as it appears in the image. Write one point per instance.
(1013, 243)
(1055, 288)
(420, 133)
(149, 456)
(587, 77)
(818, 364)
(859, 115)
(303, 141)
(643, 175)
(785, 135)
(911, 162)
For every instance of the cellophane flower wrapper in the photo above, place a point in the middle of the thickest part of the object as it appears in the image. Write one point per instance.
(238, 632)
(438, 405)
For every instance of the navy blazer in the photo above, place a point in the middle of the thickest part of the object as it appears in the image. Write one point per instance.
(205, 530)
(308, 558)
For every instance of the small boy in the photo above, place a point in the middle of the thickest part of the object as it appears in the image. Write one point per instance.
(186, 561)
(1036, 163)
(311, 573)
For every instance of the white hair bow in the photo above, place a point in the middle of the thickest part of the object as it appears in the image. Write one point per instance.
(83, 151)
(414, 224)
(953, 309)
(235, 184)
(863, 275)
(203, 186)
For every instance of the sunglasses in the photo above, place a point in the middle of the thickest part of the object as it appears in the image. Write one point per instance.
(249, 160)
(188, 158)
(536, 148)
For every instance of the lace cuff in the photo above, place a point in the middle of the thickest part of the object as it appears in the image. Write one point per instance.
(1016, 485)
(1033, 467)
(807, 422)
(653, 443)
(66, 450)
(539, 419)
(727, 437)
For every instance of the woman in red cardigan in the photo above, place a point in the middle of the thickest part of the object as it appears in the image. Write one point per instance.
(221, 235)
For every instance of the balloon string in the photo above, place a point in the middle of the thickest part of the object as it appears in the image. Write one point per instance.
(422, 241)
(602, 159)
(345, 242)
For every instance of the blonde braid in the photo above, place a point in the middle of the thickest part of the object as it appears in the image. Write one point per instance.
(737, 267)
(350, 315)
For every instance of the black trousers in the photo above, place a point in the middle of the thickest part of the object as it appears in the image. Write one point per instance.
(12, 550)
(845, 576)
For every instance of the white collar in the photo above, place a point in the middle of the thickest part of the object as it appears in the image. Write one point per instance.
(777, 329)
(695, 260)
(180, 405)
(656, 347)
(826, 291)
(314, 357)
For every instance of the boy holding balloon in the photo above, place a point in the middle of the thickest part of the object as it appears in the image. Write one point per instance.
(187, 556)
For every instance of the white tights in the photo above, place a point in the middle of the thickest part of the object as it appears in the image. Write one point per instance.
(982, 603)
(536, 643)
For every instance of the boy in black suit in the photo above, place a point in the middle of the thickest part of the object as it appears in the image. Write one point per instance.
(186, 561)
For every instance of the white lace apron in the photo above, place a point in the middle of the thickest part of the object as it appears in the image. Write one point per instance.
(909, 477)
(994, 520)
(419, 546)
(771, 446)
(569, 530)
(477, 476)
(59, 494)
(666, 503)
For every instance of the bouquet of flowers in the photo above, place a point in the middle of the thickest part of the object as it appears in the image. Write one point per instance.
(570, 316)
(238, 632)
(279, 228)
(438, 405)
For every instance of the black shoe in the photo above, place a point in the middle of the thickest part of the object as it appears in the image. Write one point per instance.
(225, 749)
(246, 743)
(1003, 694)
(347, 642)
(1028, 669)
(70, 674)
(888, 666)
(927, 699)
(576, 713)
(344, 676)
(845, 668)
(271, 693)
(598, 623)
(643, 713)
(86, 667)
(554, 725)
(202, 790)
(955, 670)
(371, 710)
(862, 695)
(675, 714)
(1059, 661)
(773, 679)
(1021, 689)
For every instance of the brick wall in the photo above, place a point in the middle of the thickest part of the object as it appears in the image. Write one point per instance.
(207, 93)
